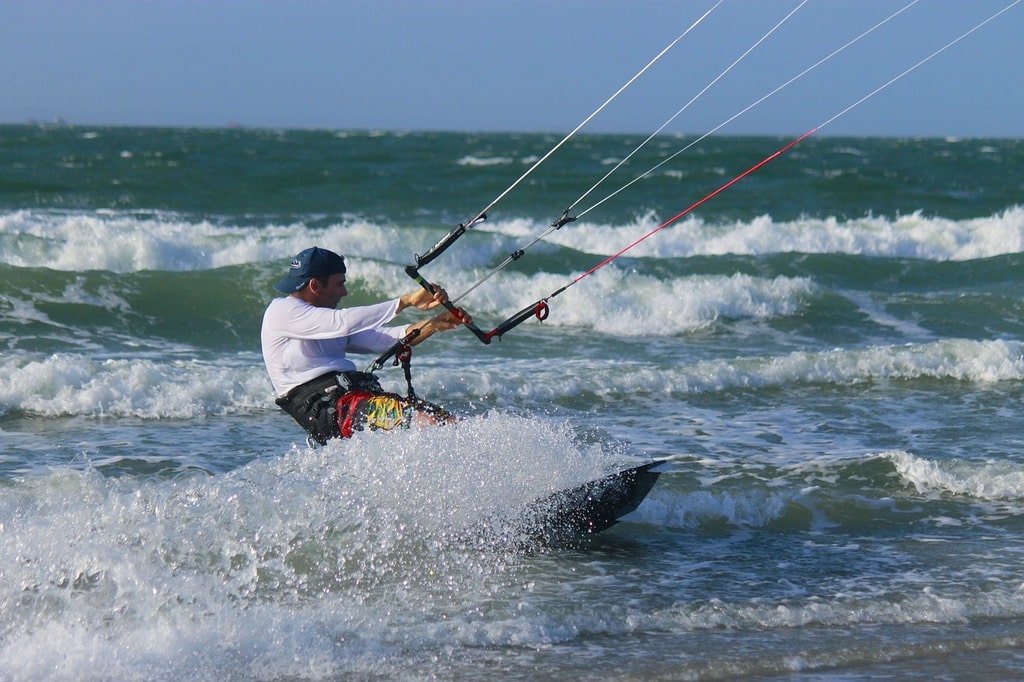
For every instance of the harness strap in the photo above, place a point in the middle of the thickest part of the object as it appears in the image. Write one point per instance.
(404, 356)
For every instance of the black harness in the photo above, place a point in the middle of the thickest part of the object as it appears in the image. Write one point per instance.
(314, 404)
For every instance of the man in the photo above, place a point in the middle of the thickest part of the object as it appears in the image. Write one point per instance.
(305, 341)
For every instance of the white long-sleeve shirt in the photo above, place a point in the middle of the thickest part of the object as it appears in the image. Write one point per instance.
(301, 341)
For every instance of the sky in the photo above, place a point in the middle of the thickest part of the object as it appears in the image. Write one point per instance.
(514, 65)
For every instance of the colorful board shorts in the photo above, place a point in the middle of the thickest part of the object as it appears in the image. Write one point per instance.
(359, 410)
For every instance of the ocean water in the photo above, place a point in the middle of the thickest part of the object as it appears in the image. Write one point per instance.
(829, 355)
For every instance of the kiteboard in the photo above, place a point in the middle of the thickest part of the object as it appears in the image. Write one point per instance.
(589, 508)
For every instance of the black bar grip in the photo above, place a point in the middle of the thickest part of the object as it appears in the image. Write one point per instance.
(538, 310)
(442, 245)
(413, 272)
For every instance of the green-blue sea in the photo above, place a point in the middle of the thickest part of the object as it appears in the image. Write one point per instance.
(829, 355)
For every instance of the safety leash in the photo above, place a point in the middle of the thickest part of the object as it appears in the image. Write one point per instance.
(399, 354)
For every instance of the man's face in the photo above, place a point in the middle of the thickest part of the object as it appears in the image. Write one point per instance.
(327, 295)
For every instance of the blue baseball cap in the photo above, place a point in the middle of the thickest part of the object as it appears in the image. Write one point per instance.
(309, 264)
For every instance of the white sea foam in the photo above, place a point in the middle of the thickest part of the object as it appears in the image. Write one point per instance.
(77, 385)
(473, 160)
(73, 384)
(993, 480)
(322, 563)
(909, 236)
(126, 242)
(316, 556)
(748, 508)
(957, 359)
(624, 304)
(116, 242)
(926, 606)
(123, 242)
(978, 362)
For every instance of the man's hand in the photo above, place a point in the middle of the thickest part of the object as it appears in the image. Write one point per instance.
(423, 299)
(446, 321)
(449, 320)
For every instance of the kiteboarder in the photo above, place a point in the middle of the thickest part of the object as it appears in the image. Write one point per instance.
(305, 339)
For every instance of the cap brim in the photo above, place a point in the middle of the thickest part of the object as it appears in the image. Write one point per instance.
(290, 284)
